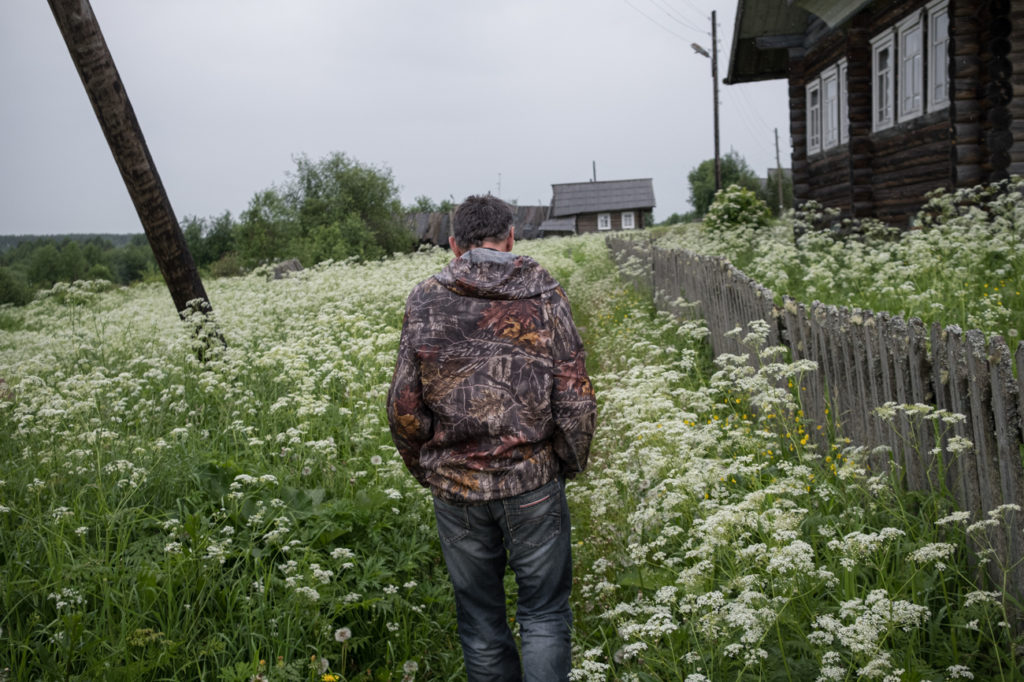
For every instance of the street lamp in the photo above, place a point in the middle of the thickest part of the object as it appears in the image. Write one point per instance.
(714, 77)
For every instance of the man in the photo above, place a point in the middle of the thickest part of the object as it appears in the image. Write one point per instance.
(492, 409)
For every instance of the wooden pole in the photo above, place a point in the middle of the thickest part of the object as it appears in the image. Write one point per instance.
(106, 92)
(778, 172)
(714, 77)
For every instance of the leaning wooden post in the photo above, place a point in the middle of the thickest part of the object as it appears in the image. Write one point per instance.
(103, 85)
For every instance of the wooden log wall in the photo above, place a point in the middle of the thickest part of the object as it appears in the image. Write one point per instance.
(865, 360)
(1016, 57)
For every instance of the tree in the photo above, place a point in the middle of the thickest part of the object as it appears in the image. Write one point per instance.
(43, 268)
(265, 228)
(71, 264)
(334, 208)
(219, 237)
(13, 287)
(735, 171)
(209, 239)
(423, 204)
(337, 189)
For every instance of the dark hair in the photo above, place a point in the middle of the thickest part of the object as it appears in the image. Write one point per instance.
(480, 218)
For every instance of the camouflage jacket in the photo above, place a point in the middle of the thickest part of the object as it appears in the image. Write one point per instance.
(490, 397)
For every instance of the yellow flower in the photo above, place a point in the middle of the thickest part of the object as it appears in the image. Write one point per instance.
(330, 677)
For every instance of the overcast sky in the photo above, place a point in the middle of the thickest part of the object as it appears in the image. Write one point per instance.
(455, 97)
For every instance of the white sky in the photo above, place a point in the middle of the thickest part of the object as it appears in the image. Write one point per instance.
(456, 97)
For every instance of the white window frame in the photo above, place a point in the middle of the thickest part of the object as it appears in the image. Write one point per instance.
(604, 221)
(813, 116)
(937, 82)
(628, 220)
(844, 107)
(910, 69)
(830, 107)
(883, 83)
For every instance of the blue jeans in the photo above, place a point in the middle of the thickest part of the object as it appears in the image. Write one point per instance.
(531, 532)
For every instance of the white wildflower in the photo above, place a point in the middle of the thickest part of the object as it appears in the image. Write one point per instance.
(959, 672)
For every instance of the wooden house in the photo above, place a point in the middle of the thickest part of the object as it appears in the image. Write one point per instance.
(610, 205)
(890, 99)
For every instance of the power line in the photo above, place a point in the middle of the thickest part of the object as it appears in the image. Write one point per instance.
(654, 21)
(747, 115)
(697, 10)
(753, 111)
(681, 21)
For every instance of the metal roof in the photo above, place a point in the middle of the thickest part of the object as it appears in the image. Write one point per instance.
(609, 195)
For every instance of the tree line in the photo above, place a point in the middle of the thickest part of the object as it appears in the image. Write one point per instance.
(332, 208)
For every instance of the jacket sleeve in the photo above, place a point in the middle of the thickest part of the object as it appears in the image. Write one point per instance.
(573, 405)
(411, 421)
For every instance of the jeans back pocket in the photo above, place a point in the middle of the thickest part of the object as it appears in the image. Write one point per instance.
(535, 517)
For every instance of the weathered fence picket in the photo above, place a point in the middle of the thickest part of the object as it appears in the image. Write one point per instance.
(865, 360)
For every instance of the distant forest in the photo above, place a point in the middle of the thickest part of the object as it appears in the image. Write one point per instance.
(8, 242)
(28, 264)
(333, 208)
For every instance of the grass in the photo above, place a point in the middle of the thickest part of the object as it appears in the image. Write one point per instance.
(247, 518)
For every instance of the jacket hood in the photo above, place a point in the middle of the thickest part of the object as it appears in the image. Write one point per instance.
(487, 273)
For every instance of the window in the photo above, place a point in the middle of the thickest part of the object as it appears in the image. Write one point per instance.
(814, 116)
(882, 82)
(627, 220)
(830, 108)
(844, 111)
(604, 221)
(938, 55)
(911, 67)
(828, 120)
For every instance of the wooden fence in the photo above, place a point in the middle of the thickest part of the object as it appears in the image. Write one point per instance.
(866, 359)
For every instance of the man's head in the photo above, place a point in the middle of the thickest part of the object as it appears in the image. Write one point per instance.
(481, 219)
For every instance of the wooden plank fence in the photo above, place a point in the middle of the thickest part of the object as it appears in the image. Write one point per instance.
(866, 359)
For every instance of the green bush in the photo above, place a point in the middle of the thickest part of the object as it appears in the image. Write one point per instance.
(737, 206)
(99, 271)
(228, 265)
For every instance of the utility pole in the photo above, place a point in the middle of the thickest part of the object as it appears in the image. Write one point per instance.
(714, 77)
(106, 92)
(778, 172)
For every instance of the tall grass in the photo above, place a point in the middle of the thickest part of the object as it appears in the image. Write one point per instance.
(247, 518)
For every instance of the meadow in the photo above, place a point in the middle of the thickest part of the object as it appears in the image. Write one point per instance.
(245, 516)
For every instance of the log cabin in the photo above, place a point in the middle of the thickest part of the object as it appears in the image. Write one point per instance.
(890, 99)
(608, 205)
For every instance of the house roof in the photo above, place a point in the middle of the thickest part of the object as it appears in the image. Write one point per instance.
(609, 195)
(763, 33)
(765, 30)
